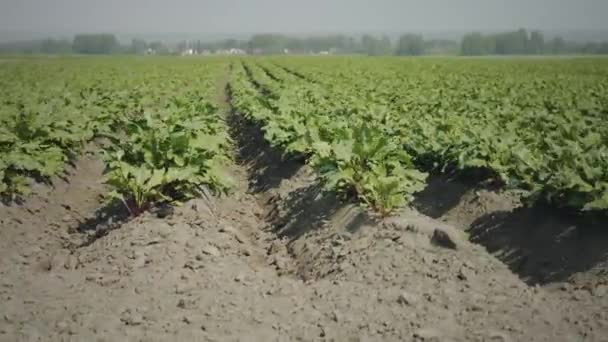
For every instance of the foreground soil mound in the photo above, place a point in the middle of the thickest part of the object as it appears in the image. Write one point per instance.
(277, 260)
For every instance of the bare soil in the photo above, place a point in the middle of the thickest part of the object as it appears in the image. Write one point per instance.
(279, 260)
(543, 245)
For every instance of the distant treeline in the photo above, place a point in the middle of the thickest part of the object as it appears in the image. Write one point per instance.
(258, 44)
(408, 44)
(93, 44)
(520, 42)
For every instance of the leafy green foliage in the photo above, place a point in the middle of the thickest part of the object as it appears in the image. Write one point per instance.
(352, 158)
(37, 139)
(162, 139)
(372, 165)
(168, 155)
(536, 126)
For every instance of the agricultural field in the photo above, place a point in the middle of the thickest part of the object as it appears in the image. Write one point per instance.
(375, 127)
(162, 133)
(303, 198)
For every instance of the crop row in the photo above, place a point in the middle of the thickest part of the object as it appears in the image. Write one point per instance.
(537, 127)
(161, 135)
(352, 155)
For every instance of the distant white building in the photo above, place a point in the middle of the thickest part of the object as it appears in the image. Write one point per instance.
(237, 51)
(188, 52)
(232, 51)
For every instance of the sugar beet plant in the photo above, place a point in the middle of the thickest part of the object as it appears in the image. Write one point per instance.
(169, 154)
(353, 157)
(161, 137)
(37, 138)
(47, 115)
(536, 126)
(363, 161)
(539, 128)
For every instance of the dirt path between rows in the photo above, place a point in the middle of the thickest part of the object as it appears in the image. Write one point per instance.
(277, 260)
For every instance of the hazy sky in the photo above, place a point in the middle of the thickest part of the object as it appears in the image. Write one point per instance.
(241, 16)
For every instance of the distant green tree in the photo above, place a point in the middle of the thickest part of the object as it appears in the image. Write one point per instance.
(230, 44)
(367, 44)
(297, 45)
(373, 46)
(386, 46)
(158, 47)
(55, 46)
(512, 43)
(268, 43)
(351, 45)
(475, 44)
(505, 43)
(95, 44)
(410, 45)
(536, 44)
(138, 46)
(557, 46)
(590, 48)
(181, 46)
(441, 46)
